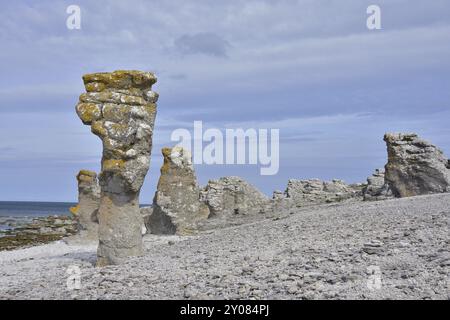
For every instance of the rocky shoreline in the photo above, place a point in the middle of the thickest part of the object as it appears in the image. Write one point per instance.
(38, 231)
(329, 251)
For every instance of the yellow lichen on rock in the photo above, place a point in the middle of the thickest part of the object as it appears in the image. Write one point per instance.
(74, 210)
(88, 112)
(98, 129)
(121, 79)
(113, 164)
(86, 176)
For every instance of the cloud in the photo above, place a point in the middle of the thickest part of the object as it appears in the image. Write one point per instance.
(309, 67)
(204, 43)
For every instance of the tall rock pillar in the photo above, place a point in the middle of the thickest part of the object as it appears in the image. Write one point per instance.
(120, 108)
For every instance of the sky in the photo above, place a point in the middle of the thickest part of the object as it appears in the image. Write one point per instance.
(310, 68)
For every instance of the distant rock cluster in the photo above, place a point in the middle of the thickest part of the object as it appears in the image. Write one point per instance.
(377, 188)
(120, 107)
(415, 167)
(314, 191)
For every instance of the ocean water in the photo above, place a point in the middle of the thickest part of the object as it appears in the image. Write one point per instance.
(13, 214)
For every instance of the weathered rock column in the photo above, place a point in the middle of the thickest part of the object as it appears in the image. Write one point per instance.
(120, 108)
(88, 202)
(415, 166)
(176, 206)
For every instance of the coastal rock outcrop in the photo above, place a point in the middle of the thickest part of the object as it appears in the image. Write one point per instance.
(120, 107)
(377, 188)
(231, 196)
(88, 202)
(315, 191)
(176, 206)
(415, 166)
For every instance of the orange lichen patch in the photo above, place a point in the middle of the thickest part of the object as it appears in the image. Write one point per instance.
(166, 152)
(86, 176)
(74, 210)
(113, 164)
(95, 87)
(122, 79)
(89, 173)
(98, 129)
(88, 112)
(150, 108)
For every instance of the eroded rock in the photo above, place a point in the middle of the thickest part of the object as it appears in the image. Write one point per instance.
(377, 188)
(176, 206)
(120, 108)
(88, 202)
(415, 166)
(230, 196)
(315, 191)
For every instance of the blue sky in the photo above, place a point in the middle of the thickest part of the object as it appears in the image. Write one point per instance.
(310, 68)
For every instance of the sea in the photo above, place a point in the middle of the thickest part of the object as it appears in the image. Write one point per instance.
(14, 214)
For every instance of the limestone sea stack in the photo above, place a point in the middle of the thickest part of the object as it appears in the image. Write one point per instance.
(415, 166)
(176, 206)
(120, 107)
(86, 212)
(229, 197)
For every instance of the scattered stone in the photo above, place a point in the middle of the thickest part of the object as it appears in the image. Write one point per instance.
(176, 206)
(373, 247)
(120, 108)
(415, 166)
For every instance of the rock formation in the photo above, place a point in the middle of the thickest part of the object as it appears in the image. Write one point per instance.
(146, 213)
(176, 206)
(415, 166)
(120, 108)
(315, 191)
(231, 196)
(377, 188)
(88, 202)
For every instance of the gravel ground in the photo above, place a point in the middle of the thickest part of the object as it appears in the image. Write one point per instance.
(394, 249)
